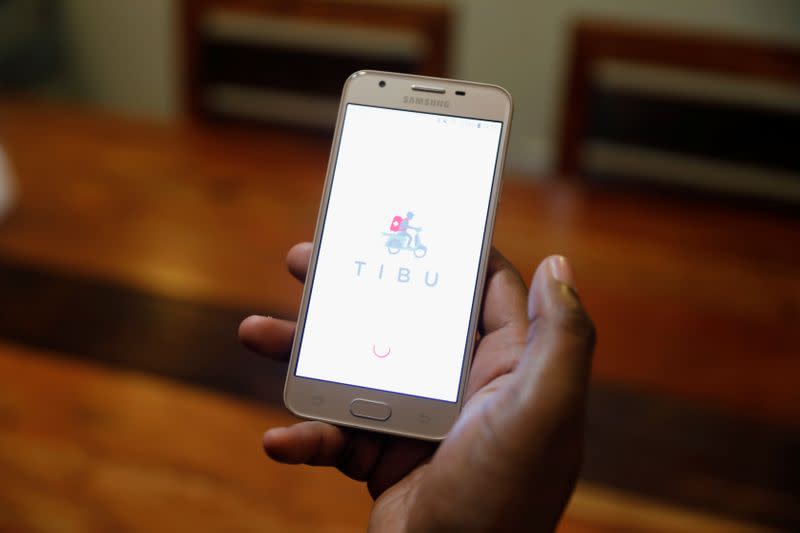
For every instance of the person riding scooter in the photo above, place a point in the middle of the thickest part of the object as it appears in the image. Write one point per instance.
(405, 226)
(400, 239)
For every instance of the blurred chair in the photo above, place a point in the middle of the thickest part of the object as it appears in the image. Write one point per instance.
(31, 44)
(286, 61)
(654, 107)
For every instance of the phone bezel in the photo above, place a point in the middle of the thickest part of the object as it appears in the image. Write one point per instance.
(412, 416)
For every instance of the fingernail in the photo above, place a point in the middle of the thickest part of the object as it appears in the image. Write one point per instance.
(273, 433)
(561, 270)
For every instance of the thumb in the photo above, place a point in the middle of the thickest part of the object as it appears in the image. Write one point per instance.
(554, 370)
(561, 331)
(524, 447)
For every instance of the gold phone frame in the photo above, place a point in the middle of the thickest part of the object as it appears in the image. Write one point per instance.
(411, 416)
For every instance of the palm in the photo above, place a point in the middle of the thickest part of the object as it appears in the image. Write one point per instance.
(495, 357)
(405, 476)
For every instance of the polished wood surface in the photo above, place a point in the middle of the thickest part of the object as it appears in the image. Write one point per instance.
(690, 299)
(88, 449)
(694, 303)
(110, 324)
(85, 449)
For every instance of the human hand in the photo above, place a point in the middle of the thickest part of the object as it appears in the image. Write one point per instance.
(511, 460)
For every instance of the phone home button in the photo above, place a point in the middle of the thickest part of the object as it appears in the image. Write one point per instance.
(370, 409)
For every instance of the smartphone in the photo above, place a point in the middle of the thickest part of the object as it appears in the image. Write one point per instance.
(388, 319)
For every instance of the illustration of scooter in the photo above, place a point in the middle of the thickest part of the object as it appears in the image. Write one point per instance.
(398, 237)
(403, 241)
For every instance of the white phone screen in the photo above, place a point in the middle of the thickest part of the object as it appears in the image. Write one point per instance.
(396, 274)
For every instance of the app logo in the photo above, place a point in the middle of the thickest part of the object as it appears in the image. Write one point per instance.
(402, 236)
(398, 238)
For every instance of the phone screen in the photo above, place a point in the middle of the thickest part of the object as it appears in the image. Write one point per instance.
(396, 275)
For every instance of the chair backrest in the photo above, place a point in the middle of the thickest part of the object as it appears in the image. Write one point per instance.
(653, 106)
(286, 61)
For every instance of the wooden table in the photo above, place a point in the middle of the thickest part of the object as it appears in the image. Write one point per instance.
(697, 307)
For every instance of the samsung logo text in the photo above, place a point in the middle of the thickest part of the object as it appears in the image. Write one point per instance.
(421, 100)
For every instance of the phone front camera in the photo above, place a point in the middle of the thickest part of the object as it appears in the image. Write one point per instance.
(382, 83)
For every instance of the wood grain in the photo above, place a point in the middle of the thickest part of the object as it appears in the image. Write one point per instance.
(87, 449)
(83, 449)
(695, 302)
(120, 327)
(691, 299)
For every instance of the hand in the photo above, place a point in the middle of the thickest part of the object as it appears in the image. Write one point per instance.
(511, 460)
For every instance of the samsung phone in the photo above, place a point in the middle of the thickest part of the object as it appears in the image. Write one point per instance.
(388, 319)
